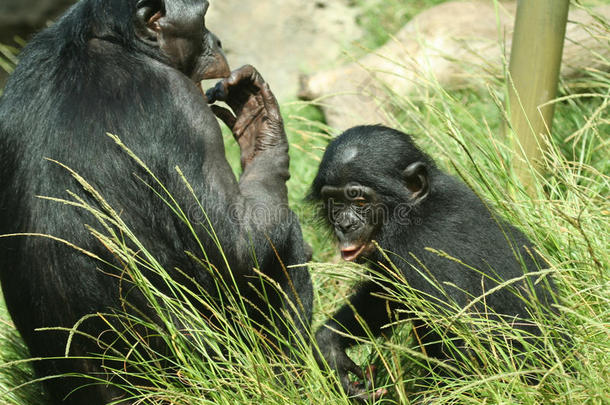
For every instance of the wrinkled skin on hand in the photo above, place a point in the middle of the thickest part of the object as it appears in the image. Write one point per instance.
(257, 124)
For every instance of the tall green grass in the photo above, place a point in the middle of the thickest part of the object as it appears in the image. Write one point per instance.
(380, 19)
(568, 220)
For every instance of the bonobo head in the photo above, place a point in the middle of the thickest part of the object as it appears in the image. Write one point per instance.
(176, 28)
(367, 175)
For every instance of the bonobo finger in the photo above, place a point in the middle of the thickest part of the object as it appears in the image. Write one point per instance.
(237, 89)
(217, 93)
(369, 376)
(355, 391)
(355, 369)
(246, 73)
(379, 393)
(352, 389)
(225, 115)
(270, 101)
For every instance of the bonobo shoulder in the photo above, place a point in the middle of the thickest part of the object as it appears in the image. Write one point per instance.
(189, 99)
(445, 186)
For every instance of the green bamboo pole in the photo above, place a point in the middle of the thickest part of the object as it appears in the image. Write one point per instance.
(535, 60)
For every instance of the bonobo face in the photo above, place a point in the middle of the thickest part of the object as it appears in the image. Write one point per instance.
(177, 29)
(370, 178)
(351, 209)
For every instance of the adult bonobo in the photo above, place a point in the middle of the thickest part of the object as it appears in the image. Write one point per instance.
(376, 185)
(131, 68)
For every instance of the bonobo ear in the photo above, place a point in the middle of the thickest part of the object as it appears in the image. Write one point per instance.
(148, 14)
(416, 177)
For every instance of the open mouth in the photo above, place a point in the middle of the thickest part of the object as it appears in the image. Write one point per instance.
(350, 253)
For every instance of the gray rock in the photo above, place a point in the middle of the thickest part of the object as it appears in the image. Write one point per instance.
(283, 38)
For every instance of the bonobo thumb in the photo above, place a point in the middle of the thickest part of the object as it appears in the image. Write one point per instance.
(225, 115)
(216, 93)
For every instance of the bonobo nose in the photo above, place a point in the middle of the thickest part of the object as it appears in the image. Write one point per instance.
(346, 226)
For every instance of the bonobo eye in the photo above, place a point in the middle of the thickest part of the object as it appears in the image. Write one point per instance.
(359, 202)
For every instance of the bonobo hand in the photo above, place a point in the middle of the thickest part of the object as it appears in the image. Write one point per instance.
(257, 124)
(339, 361)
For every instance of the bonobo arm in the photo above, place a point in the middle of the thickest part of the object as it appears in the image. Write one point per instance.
(334, 337)
(259, 130)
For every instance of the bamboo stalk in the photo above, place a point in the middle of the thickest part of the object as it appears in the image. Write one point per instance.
(535, 60)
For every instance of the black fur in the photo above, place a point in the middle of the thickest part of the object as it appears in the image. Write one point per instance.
(85, 76)
(437, 211)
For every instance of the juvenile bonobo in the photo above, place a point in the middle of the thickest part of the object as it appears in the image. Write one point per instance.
(131, 68)
(376, 185)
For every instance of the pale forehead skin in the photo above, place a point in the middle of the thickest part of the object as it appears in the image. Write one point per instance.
(347, 155)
